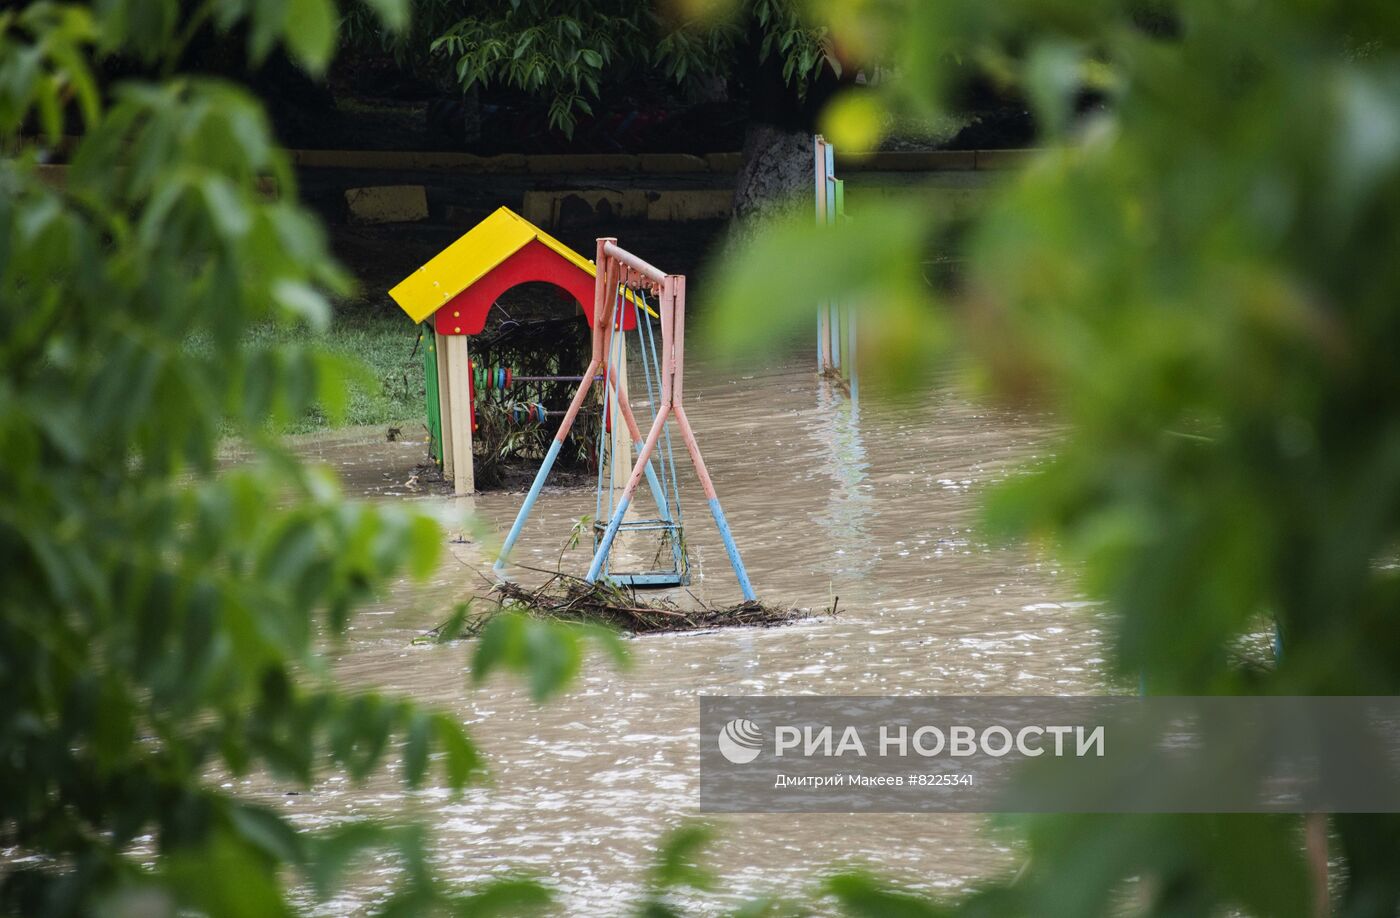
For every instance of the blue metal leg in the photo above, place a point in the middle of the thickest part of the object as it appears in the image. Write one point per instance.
(499, 567)
(655, 484)
(851, 356)
(734, 560)
(833, 325)
(605, 546)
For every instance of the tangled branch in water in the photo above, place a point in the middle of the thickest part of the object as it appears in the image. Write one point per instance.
(565, 598)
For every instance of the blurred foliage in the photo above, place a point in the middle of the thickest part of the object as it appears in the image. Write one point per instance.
(1196, 280)
(566, 49)
(549, 654)
(161, 618)
(678, 872)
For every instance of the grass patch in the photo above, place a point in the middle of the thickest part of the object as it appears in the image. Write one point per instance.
(391, 393)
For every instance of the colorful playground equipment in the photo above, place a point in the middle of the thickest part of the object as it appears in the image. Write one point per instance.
(664, 488)
(836, 323)
(622, 278)
(455, 290)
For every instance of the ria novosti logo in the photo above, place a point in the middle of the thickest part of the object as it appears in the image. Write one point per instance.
(740, 741)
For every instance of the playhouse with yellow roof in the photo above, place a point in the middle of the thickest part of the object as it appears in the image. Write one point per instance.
(453, 293)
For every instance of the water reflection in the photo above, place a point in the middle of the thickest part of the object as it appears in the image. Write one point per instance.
(846, 518)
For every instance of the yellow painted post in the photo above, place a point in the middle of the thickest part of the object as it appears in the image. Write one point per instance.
(622, 462)
(444, 407)
(459, 383)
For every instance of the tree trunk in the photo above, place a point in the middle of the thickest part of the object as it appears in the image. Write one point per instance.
(776, 175)
(777, 171)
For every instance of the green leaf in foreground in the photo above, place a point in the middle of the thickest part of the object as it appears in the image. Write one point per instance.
(549, 654)
(767, 294)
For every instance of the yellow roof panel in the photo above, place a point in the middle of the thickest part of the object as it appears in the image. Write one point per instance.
(475, 253)
(467, 260)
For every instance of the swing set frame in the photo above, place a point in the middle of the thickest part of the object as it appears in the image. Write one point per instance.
(617, 268)
(616, 461)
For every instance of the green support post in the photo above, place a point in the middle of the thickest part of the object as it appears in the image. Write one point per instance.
(430, 390)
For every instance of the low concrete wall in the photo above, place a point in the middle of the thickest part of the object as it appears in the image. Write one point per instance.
(955, 195)
(588, 189)
(552, 208)
(387, 204)
(644, 163)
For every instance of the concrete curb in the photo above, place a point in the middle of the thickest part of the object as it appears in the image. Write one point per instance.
(646, 163)
(551, 208)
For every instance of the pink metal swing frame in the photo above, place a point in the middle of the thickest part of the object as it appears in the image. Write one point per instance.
(616, 268)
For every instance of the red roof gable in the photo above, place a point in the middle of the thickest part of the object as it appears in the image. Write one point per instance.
(465, 314)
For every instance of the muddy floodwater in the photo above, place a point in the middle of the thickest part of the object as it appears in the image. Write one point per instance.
(877, 506)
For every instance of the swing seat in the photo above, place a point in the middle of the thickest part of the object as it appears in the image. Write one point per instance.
(649, 580)
(676, 575)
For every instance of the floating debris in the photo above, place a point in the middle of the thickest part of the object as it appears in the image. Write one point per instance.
(565, 598)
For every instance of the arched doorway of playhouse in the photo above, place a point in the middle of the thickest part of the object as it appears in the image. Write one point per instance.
(525, 325)
(526, 362)
(533, 263)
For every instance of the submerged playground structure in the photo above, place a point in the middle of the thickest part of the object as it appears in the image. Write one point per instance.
(458, 287)
(453, 293)
(836, 322)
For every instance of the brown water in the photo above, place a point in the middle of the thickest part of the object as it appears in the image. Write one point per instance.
(877, 507)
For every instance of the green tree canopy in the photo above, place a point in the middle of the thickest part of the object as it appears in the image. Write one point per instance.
(567, 50)
(161, 619)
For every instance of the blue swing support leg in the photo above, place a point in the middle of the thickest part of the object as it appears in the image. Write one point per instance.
(732, 550)
(499, 568)
(671, 404)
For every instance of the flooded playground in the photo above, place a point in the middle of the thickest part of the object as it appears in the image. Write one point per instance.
(875, 504)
